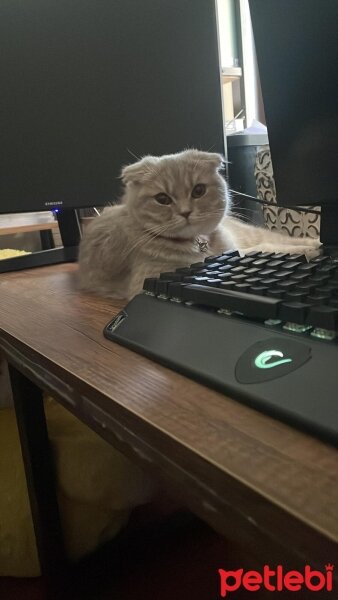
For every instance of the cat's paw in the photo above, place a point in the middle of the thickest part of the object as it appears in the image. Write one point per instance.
(308, 246)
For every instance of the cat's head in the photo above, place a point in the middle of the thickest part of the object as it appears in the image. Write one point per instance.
(178, 195)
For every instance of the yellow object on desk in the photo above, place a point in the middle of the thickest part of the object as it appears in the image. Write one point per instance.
(97, 489)
(9, 253)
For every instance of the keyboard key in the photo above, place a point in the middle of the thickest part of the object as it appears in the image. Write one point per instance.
(260, 262)
(320, 260)
(290, 266)
(253, 254)
(294, 312)
(319, 278)
(327, 289)
(295, 296)
(201, 279)
(261, 290)
(299, 276)
(229, 254)
(282, 275)
(287, 285)
(213, 266)
(269, 281)
(242, 287)
(238, 278)
(297, 257)
(234, 260)
(175, 290)
(275, 263)
(224, 276)
(162, 287)
(183, 270)
(227, 285)
(247, 260)
(191, 279)
(210, 259)
(276, 293)
(213, 282)
(266, 254)
(149, 285)
(281, 256)
(200, 272)
(317, 300)
(225, 268)
(252, 270)
(253, 280)
(267, 272)
(327, 268)
(307, 267)
(325, 317)
(237, 270)
(198, 265)
(172, 276)
(223, 260)
(305, 287)
(211, 273)
(256, 307)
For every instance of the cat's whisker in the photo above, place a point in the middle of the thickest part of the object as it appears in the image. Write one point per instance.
(244, 208)
(149, 235)
(133, 154)
(206, 216)
(143, 239)
(158, 230)
(239, 215)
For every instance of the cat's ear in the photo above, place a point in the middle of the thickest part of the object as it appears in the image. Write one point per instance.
(213, 159)
(140, 171)
(207, 159)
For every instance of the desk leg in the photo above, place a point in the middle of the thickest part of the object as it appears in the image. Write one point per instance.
(39, 469)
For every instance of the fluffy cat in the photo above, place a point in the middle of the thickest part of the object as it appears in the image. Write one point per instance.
(175, 211)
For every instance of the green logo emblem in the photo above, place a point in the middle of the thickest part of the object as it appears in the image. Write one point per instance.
(263, 360)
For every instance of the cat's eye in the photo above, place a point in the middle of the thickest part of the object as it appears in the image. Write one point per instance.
(199, 190)
(163, 198)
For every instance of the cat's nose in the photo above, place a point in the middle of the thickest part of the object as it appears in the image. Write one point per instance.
(186, 213)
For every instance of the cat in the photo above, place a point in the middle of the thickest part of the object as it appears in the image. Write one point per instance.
(176, 210)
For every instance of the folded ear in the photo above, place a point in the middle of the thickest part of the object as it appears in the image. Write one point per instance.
(209, 159)
(140, 171)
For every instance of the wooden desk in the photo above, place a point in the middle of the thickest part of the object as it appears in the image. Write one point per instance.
(259, 482)
(10, 229)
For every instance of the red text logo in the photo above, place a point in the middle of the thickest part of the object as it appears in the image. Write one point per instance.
(276, 580)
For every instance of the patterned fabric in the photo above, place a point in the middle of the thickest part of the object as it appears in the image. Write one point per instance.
(290, 221)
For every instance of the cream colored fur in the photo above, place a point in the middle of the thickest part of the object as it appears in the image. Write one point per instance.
(141, 238)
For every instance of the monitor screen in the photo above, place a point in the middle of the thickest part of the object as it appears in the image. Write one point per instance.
(87, 86)
(297, 52)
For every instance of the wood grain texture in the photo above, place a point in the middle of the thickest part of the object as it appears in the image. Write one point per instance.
(257, 480)
(26, 228)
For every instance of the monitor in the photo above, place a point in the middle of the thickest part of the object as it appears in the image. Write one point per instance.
(297, 54)
(87, 86)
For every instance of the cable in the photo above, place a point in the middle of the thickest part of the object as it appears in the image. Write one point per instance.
(259, 201)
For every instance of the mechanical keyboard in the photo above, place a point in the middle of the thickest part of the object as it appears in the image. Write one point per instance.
(261, 328)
